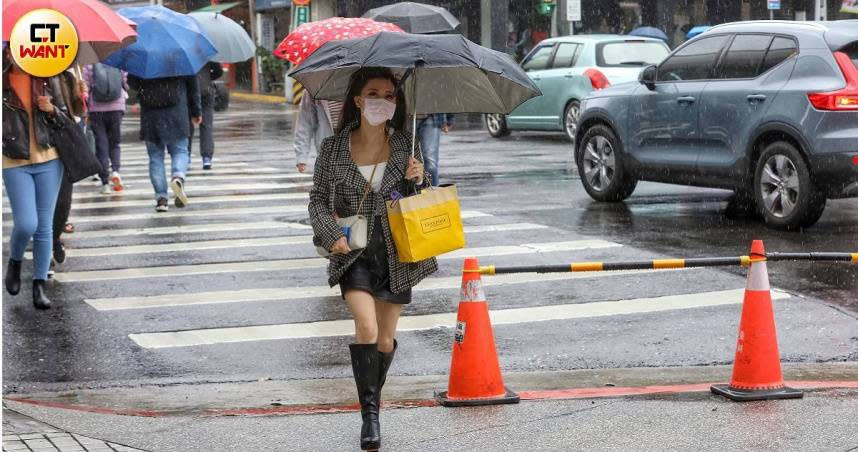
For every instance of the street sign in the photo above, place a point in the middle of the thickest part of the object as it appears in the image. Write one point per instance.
(300, 12)
(573, 10)
(774, 4)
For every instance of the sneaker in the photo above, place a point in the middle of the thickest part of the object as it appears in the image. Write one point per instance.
(59, 252)
(178, 186)
(207, 163)
(106, 189)
(51, 271)
(163, 205)
(116, 181)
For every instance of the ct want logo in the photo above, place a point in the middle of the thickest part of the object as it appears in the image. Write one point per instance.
(43, 43)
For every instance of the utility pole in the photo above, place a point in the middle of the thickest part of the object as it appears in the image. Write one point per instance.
(820, 11)
(254, 63)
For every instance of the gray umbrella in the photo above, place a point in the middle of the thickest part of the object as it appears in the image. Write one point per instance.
(229, 38)
(450, 74)
(415, 17)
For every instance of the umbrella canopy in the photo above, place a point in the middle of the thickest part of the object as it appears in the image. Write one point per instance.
(229, 38)
(100, 30)
(168, 44)
(697, 30)
(415, 17)
(451, 74)
(649, 32)
(308, 37)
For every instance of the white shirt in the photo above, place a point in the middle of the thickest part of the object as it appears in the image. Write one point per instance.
(366, 171)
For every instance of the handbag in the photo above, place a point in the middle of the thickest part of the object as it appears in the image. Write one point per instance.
(354, 227)
(71, 144)
(426, 224)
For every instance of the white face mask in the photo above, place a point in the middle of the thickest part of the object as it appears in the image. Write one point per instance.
(377, 111)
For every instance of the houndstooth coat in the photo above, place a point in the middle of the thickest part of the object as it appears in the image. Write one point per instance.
(336, 173)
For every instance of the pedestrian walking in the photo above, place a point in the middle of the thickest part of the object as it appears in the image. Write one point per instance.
(210, 72)
(165, 106)
(357, 170)
(74, 93)
(317, 120)
(429, 129)
(32, 172)
(108, 93)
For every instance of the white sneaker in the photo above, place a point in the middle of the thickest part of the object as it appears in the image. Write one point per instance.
(106, 189)
(178, 186)
(116, 181)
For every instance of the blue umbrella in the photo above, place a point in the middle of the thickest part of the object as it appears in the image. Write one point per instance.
(649, 32)
(168, 44)
(697, 30)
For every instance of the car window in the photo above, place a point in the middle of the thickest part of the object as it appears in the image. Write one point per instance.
(538, 59)
(781, 49)
(852, 51)
(744, 56)
(630, 53)
(566, 55)
(695, 61)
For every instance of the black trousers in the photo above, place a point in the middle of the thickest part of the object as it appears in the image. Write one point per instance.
(206, 132)
(63, 208)
(106, 126)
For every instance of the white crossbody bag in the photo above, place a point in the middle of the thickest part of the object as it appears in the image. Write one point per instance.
(354, 227)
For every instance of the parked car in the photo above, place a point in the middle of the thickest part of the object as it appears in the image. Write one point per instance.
(768, 109)
(567, 69)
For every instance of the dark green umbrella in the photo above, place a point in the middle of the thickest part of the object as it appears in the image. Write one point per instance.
(415, 17)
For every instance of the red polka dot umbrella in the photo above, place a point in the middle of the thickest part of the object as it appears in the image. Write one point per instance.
(308, 37)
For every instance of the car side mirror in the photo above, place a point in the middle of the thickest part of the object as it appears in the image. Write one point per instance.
(647, 77)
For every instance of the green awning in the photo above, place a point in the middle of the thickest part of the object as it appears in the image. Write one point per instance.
(219, 8)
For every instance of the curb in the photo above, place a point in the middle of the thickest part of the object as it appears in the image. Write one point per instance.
(255, 97)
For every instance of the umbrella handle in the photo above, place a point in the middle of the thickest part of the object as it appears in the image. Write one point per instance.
(414, 110)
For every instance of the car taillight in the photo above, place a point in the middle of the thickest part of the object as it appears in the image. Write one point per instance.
(597, 79)
(855, 160)
(845, 99)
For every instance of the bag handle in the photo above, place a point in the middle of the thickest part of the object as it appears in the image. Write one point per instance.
(371, 176)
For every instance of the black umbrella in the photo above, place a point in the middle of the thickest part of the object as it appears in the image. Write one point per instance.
(450, 74)
(415, 17)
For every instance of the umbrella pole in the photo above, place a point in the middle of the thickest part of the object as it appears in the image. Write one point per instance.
(414, 110)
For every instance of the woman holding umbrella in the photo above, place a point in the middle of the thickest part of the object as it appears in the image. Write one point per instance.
(357, 170)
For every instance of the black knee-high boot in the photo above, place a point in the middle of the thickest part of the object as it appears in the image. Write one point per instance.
(384, 360)
(365, 365)
(13, 277)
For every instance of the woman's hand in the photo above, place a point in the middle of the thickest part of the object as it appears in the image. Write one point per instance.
(341, 246)
(414, 171)
(45, 104)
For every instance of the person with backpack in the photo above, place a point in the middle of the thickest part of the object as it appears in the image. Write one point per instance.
(165, 106)
(210, 72)
(108, 90)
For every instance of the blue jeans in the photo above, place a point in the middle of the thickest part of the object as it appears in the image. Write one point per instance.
(429, 134)
(178, 159)
(33, 191)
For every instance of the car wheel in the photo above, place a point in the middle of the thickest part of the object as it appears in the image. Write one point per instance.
(496, 125)
(570, 119)
(601, 166)
(786, 196)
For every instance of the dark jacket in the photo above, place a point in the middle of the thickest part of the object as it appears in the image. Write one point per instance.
(210, 72)
(16, 121)
(338, 187)
(169, 124)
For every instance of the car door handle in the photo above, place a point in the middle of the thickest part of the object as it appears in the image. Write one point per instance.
(756, 98)
(536, 77)
(570, 75)
(685, 100)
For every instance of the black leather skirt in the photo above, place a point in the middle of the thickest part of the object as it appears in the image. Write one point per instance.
(371, 272)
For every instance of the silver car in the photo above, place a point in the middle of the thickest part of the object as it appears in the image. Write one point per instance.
(767, 109)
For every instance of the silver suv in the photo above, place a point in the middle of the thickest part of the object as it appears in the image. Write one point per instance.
(767, 109)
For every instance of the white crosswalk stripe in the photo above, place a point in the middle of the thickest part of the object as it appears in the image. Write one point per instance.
(104, 205)
(214, 336)
(191, 190)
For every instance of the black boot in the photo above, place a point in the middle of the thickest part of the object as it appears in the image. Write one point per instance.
(365, 365)
(40, 300)
(13, 277)
(384, 360)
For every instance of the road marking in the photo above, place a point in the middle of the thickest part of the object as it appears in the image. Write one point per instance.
(216, 171)
(191, 190)
(187, 229)
(227, 177)
(330, 328)
(144, 163)
(262, 241)
(179, 213)
(291, 264)
(298, 293)
(199, 200)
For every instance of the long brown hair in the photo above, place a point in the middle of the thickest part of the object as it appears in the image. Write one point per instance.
(358, 81)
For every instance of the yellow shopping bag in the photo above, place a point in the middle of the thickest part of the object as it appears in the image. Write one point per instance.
(426, 224)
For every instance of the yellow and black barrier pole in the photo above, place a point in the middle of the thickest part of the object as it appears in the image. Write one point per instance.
(659, 264)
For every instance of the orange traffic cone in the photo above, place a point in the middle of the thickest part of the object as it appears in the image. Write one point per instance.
(757, 369)
(475, 377)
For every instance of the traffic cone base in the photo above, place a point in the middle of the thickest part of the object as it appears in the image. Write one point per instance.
(741, 395)
(508, 398)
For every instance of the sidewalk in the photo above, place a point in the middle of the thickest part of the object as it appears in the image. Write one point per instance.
(23, 433)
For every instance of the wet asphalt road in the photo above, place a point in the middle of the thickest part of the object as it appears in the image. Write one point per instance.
(186, 266)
